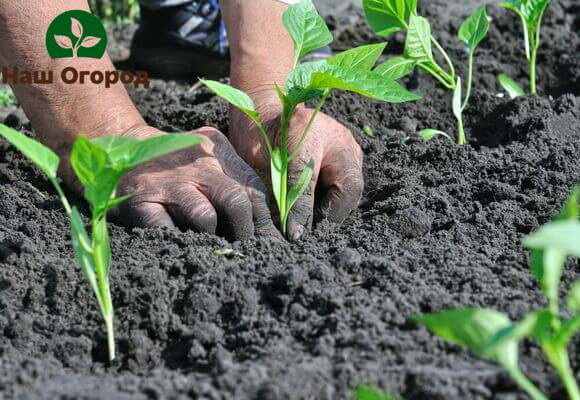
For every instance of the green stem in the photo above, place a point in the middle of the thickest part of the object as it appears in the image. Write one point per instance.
(445, 56)
(469, 82)
(460, 131)
(443, 79)
(63, 199)
(294, 154)
(284, 126)
(525, 384)
(104, 289)
(533, 70)
(562, 365)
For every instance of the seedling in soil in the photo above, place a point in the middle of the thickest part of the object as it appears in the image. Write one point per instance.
(99, 166)
(491, 334)
(531, 13)
(7, 98)
(388, 16)
(365, 392)
(350, 70)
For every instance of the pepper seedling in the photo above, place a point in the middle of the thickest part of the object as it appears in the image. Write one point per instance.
(388, 16)
(349, 70)
(531, 13)
(491, 335)
(99, 166)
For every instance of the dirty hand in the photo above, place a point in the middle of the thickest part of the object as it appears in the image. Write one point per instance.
(337, 181)
(195, 188)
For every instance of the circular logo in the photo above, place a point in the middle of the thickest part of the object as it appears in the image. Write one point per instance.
(74, 34)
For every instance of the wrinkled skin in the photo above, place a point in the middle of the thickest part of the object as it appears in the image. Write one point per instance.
(196, 187)
(337, 158)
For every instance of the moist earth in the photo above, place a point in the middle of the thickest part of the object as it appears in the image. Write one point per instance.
(439, 227)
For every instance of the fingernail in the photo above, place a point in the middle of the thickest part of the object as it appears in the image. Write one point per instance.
(297, 232)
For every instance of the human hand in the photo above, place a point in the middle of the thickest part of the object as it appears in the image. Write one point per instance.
(206, 188)
(337, 181)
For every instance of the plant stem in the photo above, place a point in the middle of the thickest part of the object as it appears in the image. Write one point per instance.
(104, 289)
(284, 126)
(445, 56)
(469, 82)
(110, 328)
(443, 79)
(562, 364)
(533, 70)
(309, 125)
(525, 384)
(460, 131)
(63, 199)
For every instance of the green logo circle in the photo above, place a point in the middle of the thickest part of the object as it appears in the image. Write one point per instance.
(74, 34)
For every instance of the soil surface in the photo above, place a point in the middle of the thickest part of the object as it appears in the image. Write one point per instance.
(439, 227)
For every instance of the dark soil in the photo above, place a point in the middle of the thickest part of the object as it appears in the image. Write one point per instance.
(439, 227)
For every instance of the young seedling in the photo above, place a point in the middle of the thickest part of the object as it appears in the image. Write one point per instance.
(388, 16)
(350, 70)
(365, 392)
(99, 165)
(491, 334)
(531, 13)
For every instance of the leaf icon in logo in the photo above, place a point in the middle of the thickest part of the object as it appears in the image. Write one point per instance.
(76, 28)
(90, 41)
(63, 41)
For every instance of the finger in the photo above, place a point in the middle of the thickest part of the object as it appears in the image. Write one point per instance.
(342, 182)
(300, 216)
(232, 204)
(144, 214)
(190, 209)
(234, 167)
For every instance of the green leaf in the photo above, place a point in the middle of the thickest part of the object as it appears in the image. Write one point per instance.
(124, 152)
(367, 83)
(362, 57)
(96, 173)
(298, 82)
(568, 329)
(276, 175)
(101, 245)
(118, 149)
(456, 105)
(40, 155)
(418, 43)
(574, 298)
(428, 134)
(388, 16)
(87, 160)
(536, 325)
(365, 392)
(531, 12)
(474, 29)
(306, 27)
(474, 329)
(514, 90)
(158, 146)
(396, 68)
(299, 187)
(563, 236)
(235, 97)
(547, 267)
(83, 250)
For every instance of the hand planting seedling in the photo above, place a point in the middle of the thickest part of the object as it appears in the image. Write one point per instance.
(350, 70)
(99, 166)
(491, 334)
(388, 16)
(531, 13)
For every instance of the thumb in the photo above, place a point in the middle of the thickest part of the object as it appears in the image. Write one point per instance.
(300, 215)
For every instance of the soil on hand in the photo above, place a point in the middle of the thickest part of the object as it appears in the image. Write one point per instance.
(439, 227)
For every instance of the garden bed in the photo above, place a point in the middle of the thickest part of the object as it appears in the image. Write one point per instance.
(439, 227)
